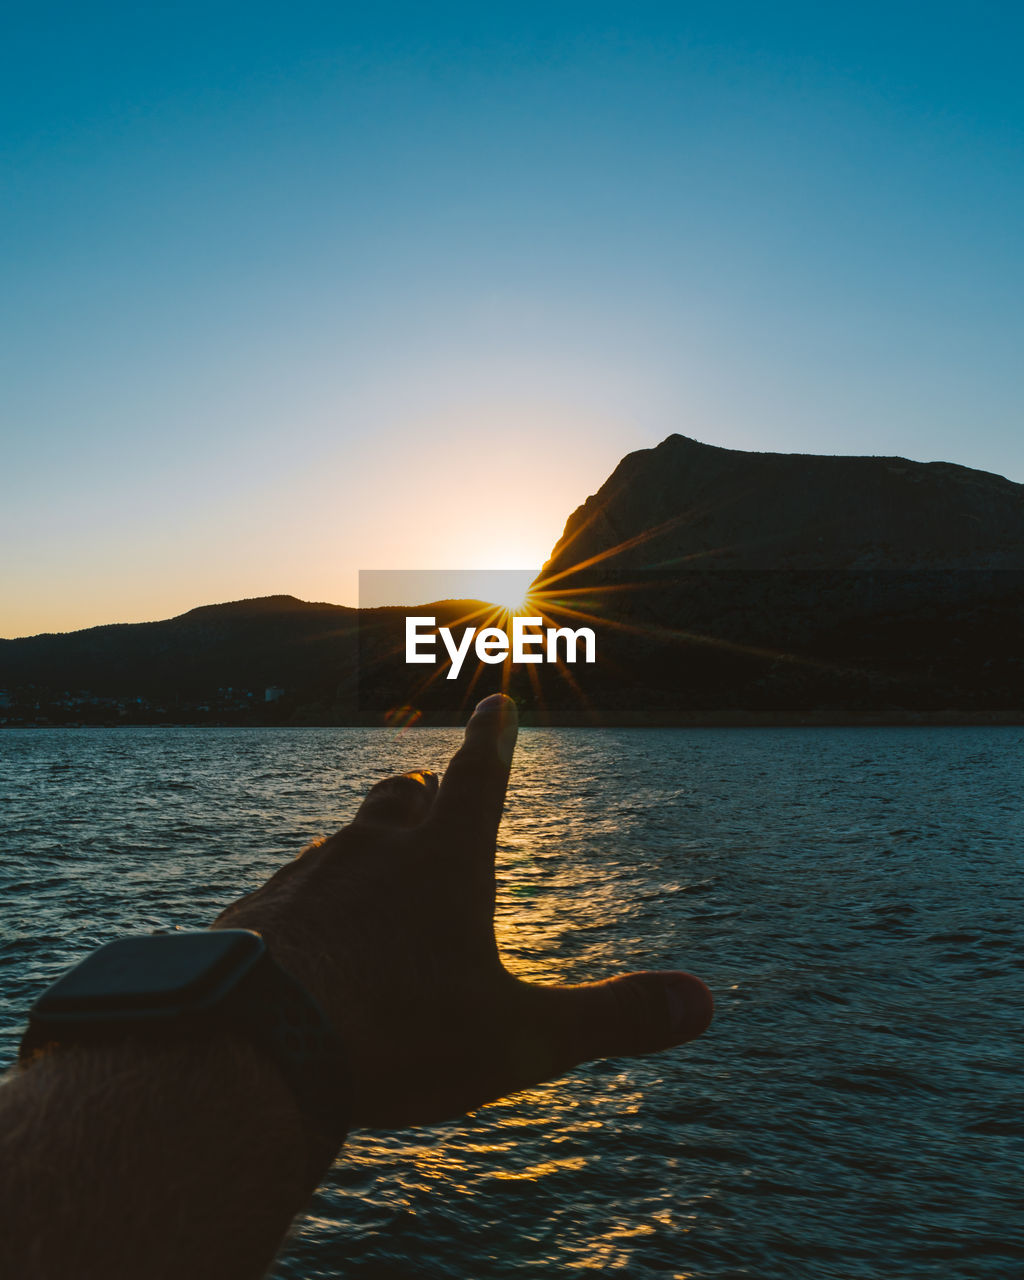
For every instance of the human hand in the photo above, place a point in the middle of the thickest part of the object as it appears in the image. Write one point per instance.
(390, 925)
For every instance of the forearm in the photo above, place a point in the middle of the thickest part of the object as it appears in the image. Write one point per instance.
(147, 1162)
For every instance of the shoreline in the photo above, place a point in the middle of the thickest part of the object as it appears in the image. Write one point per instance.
(830, 718)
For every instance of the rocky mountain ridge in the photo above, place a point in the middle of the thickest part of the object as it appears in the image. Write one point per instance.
(693, 504)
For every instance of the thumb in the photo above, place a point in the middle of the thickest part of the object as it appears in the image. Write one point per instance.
(633, 1014)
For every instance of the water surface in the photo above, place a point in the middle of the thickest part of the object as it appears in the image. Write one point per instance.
(852, 896)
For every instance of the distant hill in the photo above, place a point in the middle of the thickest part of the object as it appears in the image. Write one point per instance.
(725, 587)
(257, 642)
(183, 662)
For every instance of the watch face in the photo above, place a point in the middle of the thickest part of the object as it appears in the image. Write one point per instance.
(162, 975)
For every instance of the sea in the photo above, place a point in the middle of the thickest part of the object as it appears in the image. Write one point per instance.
(852, 896)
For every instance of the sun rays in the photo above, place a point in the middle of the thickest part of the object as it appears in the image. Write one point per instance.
(645, 597)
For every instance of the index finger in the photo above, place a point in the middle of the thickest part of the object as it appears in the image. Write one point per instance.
(472, 792)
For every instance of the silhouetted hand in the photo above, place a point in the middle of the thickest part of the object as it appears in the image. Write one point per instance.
(390, 924)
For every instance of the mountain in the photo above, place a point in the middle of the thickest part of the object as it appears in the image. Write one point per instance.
(789, 584)
(723, 586)
(693, 504)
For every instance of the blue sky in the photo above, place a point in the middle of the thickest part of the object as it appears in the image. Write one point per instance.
(293, 291)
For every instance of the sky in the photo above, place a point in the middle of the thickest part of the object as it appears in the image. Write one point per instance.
(292, 291)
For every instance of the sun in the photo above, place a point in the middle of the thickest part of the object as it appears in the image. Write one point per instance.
(513, 602)
(510, 590)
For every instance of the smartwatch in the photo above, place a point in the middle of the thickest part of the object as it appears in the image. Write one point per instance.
(168, 987)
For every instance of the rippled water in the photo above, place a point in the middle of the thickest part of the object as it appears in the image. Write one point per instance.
(852, 896)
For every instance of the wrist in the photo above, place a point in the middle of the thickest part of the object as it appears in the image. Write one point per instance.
(185, 1158)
